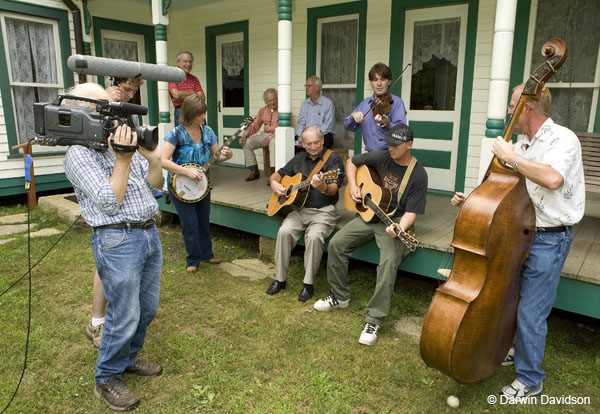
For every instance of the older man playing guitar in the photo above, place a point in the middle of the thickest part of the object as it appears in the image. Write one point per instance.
(316, 218)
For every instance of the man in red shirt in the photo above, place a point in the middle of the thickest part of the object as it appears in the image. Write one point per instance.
(252, 139)
(190, 86)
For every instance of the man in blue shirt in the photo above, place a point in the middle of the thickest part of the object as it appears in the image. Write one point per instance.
(115, 194)
(375, 127)
(317, 110)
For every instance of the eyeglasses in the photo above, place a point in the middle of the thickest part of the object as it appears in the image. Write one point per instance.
(306, 85)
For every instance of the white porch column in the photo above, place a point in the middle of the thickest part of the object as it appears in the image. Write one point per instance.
(160, 20)
(504, 30)
(284, 134)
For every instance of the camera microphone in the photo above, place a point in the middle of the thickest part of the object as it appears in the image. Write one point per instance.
(117, 68)
(126, 108)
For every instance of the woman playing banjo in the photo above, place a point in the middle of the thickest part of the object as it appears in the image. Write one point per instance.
(192, 142)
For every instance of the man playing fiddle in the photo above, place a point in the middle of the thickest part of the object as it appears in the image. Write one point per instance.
(549, 157)
(388, 110)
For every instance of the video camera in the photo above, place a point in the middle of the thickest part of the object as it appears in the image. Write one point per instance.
(56, 124)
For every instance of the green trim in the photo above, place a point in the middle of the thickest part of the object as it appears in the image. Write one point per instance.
(233, 121)
(164, 117)
(315, 13)
(432, 130)
(12, 186)
(62, 18)
(441, 193)
(87, 17)
(285, 10)
(160, 32)
(285, 119)
(519, 45)
(165, 6)
(495, 127)
(87, 48)
(398, 18)
(580, 297)
(433, 159)
(149, 49)
(597, 119)
(19, 156)
(210, 34)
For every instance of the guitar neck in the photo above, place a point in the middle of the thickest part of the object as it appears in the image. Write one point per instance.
(379, 212)
(301, 185)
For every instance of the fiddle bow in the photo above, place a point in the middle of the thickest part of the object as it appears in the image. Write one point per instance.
(384, 101)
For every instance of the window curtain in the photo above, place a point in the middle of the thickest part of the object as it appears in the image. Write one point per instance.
(120, 49)
(32, 59)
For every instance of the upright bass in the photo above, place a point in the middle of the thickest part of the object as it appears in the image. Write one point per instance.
(471, 321)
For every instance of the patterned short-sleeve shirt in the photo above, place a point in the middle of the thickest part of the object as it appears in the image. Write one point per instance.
(558, 147)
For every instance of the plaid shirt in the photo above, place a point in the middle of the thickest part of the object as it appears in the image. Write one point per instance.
(89, 170)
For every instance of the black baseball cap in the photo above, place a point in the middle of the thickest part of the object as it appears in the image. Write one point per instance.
(399, 134)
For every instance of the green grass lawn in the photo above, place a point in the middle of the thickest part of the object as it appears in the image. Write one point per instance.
(227, 347)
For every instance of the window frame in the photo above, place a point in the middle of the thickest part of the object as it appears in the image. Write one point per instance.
(594, 116)
(25, 10)
(314, 14)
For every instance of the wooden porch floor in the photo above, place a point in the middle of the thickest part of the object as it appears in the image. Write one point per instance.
(434, 229)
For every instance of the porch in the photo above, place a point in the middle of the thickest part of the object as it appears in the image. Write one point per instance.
(242, 205)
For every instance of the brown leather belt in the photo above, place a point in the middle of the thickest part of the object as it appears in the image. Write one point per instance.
(144, 225)
(558, 229)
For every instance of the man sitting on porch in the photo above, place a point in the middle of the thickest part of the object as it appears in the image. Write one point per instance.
(408, 200)
(316, 110)
(252, 139)
(316, 219)
(375, 127)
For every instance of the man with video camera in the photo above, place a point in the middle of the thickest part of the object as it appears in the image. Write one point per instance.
(122, 90)
(115, 189)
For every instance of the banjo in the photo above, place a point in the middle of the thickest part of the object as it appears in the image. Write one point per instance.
(190, 191)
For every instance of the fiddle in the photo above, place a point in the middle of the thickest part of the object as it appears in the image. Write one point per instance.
(381, 106)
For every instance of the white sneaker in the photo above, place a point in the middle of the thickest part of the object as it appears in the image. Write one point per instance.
(369, 334)
(519, 390)
(330, 302)
(510, 357)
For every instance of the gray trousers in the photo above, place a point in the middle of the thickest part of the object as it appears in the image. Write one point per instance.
(391, 253)
(316, 224)
(253, 143)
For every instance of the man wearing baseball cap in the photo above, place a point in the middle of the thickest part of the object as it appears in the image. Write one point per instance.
(406, 178)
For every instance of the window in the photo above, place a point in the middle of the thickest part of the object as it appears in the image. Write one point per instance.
(125, 49)
(32, 53)
(575, 86)
(232, 57)
(337, 56)
(434, 65)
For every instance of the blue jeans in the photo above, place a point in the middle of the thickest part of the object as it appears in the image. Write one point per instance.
(195, 227)
(176, 113)
(129, 263)
(539, 280)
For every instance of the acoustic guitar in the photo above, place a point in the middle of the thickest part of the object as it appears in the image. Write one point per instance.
(297, 188)
(190, 191)
(376, 200)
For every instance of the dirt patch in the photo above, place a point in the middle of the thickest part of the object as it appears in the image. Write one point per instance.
(409, 325)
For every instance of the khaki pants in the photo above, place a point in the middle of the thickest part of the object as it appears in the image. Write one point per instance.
(254, 142)
(316, 224)
(391, 253)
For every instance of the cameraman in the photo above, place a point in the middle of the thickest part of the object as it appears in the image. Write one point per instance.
(115, 194)
(123, 90)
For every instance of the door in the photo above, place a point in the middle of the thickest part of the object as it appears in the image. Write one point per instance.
(230, 72)
(126, 46)
(434, 43)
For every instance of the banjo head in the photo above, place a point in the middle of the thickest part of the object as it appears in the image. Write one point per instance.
(188, 190)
